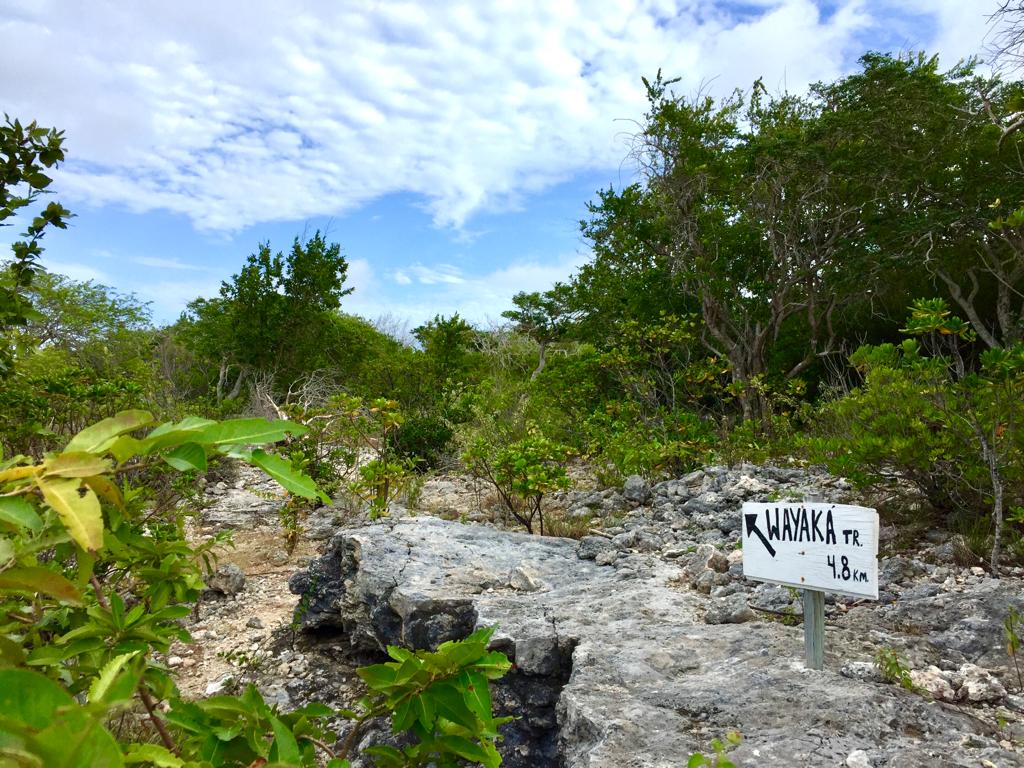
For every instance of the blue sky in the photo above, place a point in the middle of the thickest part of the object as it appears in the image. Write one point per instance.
(449, 147)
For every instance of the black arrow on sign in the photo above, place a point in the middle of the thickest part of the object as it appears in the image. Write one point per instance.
(753, 529)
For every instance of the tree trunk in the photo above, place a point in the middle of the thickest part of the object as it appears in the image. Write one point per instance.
(541, 362)
(235, 390)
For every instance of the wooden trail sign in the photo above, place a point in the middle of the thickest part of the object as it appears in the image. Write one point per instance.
(813, 546)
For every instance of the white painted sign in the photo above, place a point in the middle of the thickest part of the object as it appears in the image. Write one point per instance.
(812, 545)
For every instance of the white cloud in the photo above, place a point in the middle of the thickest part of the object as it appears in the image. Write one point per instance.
(360, 276)
(78, 271)
(480, 299)
(167, 298)
(237, 113)
(157, 262)
(438, 274)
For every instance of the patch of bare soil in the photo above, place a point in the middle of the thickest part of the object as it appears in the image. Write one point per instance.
(234, 634)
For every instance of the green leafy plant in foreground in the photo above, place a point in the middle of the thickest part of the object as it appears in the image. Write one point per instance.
(442, 698)
(95, 576)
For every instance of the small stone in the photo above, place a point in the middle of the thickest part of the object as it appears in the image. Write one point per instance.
(979, 685)
(278, 557)
(589, 547)
(220, 685)
(522, 578)
(254, 623)
(732, 609)
(861, 670)
(935, 682)
(858, 759)
(606, 557)
(636, 489)
(174, 661)
(977, 570)
(228, 579)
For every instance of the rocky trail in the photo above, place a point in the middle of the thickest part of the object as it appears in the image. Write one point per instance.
(633, 646)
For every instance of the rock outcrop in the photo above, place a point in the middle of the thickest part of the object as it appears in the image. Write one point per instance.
(637, 650)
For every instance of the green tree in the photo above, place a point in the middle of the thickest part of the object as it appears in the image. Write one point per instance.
(939, 165)
(273, 316)
(631, 277)
(26, 151)
(542, 318)
(447, 344)
(760, 224)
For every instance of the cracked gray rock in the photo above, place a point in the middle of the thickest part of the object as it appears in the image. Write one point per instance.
(615, 665)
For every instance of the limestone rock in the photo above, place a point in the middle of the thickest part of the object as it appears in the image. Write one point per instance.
(979, 685)
(935, 682)
(622, 657)
(589, 547)
(636, 489)
(228, 579)
(731, 609)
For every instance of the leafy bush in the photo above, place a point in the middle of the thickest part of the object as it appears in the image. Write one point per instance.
(954, 432)
(95, 576)
(422, 441)
(442, 698)
(521, 473)
(668, 444)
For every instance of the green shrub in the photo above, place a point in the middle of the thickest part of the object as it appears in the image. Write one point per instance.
(521, 473)
(669, 444)
(422, 440)
(95, 576)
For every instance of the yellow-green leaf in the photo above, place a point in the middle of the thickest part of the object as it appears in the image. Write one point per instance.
(101, 685)
(43, 580)
(18, 473)
(153, 754)
(125, 447)
(6, 551)
(98, 437)
(106, 489)
(76, 464)
(79, 510)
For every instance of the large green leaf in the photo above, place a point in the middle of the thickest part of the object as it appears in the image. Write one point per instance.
(75, 464)
(79, 510)
(96, 438)
(172, 433)
(285, 748)
(17, 511)
(38, 579)
(291, 479)
(104, 685)
(40, 718)
(248, 432)
(187, 457)
(126, 447)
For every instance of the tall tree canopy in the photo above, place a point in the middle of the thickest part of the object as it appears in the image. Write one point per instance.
(275, 316)
(788, 222)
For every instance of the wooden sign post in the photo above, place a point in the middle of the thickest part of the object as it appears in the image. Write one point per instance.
(814, 546)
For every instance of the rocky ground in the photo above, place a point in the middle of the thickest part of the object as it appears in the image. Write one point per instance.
(635, 645)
